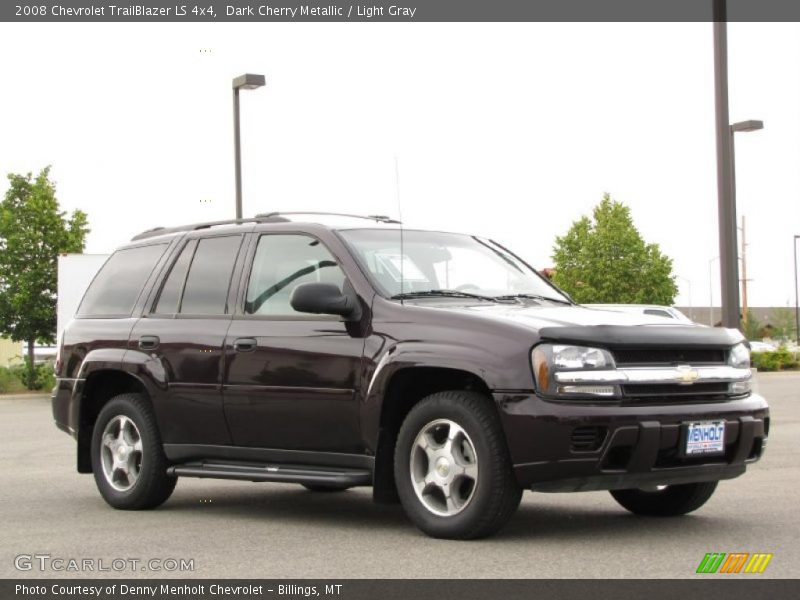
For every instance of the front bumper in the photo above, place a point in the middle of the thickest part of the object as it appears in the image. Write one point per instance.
(568, 446)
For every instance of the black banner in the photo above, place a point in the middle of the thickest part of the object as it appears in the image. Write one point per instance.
(372, 589)
(398, 11)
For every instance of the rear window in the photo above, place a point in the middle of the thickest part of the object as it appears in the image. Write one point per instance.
(119, 282)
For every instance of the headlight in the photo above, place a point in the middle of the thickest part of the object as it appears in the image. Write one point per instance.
(550, 358)
(739, 357)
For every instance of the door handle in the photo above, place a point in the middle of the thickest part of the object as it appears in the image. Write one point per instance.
(149, 342)
(244, 345)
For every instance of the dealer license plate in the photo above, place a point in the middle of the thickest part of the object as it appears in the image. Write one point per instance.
(705, 437)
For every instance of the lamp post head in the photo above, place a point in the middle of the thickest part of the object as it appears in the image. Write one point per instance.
(248, 81)
(751, 125)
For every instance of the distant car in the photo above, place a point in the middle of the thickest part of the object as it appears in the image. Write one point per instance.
(762, 346)
(645, 309)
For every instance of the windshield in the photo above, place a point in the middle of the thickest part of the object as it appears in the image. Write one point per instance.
(444, 262)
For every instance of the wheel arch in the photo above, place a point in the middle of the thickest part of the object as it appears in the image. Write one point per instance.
(98, 388)
(405, 387)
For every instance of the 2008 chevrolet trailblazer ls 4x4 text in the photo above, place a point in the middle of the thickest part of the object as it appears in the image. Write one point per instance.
(435, 367)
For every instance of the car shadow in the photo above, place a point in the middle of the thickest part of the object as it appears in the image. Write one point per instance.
(534, 521)
(354, 509)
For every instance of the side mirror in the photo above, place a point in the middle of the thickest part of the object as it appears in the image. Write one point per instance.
(325, 299)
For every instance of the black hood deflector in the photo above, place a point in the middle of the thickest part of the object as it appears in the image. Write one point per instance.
(643, 335)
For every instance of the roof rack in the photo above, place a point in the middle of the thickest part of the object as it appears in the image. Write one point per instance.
(376, 218)
(165, 230)
(272, 217)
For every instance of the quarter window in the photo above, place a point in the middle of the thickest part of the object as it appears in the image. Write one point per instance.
(282, 262)
(119, 282)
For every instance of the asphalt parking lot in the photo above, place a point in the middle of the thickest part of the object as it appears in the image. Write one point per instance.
(233, 529)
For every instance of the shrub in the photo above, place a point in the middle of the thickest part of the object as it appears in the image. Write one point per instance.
(43, 376)
(776, 360)
(9, 382)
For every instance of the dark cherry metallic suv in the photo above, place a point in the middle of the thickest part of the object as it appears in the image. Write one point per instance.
(437, 368)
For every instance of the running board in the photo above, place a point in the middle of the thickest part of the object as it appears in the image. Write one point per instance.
(276, 473)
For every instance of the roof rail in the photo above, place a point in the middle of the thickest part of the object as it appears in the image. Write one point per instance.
(165, 230)
(376, 218)
(272, 217)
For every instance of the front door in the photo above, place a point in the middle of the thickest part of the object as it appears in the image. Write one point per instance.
(291, 377)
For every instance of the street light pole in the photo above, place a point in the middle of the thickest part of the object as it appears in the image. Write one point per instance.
(744, 127)
(725, 204)
(247, 81)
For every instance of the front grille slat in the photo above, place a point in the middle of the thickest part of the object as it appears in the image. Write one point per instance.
(671, 389)
(643, 355)
(671, 393)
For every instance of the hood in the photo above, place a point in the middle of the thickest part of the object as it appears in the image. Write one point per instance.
(539, 317)
(578, 324)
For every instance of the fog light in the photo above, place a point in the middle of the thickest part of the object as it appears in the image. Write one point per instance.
(589, 390)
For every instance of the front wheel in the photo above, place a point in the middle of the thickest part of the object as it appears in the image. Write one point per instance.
(666, 501)
(128, 462)
(452, 468)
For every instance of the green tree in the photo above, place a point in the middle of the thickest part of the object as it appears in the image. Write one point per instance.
(752, 328)
(605, 260)
(784, 323)
(33, 232)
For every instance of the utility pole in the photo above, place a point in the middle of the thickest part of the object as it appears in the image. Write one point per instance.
(744, 274)
(796, 295)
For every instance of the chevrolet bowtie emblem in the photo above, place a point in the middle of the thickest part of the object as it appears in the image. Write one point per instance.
(687, 374)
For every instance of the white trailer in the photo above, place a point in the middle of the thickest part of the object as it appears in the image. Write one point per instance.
(75, 273)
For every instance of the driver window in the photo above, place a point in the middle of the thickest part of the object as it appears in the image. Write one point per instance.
(282, 262)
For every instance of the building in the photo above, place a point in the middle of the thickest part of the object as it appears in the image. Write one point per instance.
(10, 352)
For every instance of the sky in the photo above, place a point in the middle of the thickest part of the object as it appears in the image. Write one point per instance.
(511, 131)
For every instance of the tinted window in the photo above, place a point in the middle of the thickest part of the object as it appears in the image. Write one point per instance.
(206, 290)
(169, 299)
(283, 262)
(117, 286)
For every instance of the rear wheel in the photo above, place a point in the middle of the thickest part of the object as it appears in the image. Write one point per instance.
(129, 465)
(452, 468)
(666, 501)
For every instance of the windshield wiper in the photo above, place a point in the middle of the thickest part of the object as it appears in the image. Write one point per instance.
(443, 294)
(533, 297)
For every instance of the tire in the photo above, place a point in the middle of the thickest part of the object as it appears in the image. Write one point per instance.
(325, 489)
(126, 429)
(474, 470)
(672, 501)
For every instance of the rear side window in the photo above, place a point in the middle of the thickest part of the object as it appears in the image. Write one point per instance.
(206, 288)
(119, 282)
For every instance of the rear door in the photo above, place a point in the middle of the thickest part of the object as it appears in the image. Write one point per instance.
(291, 376)
(182, 336)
